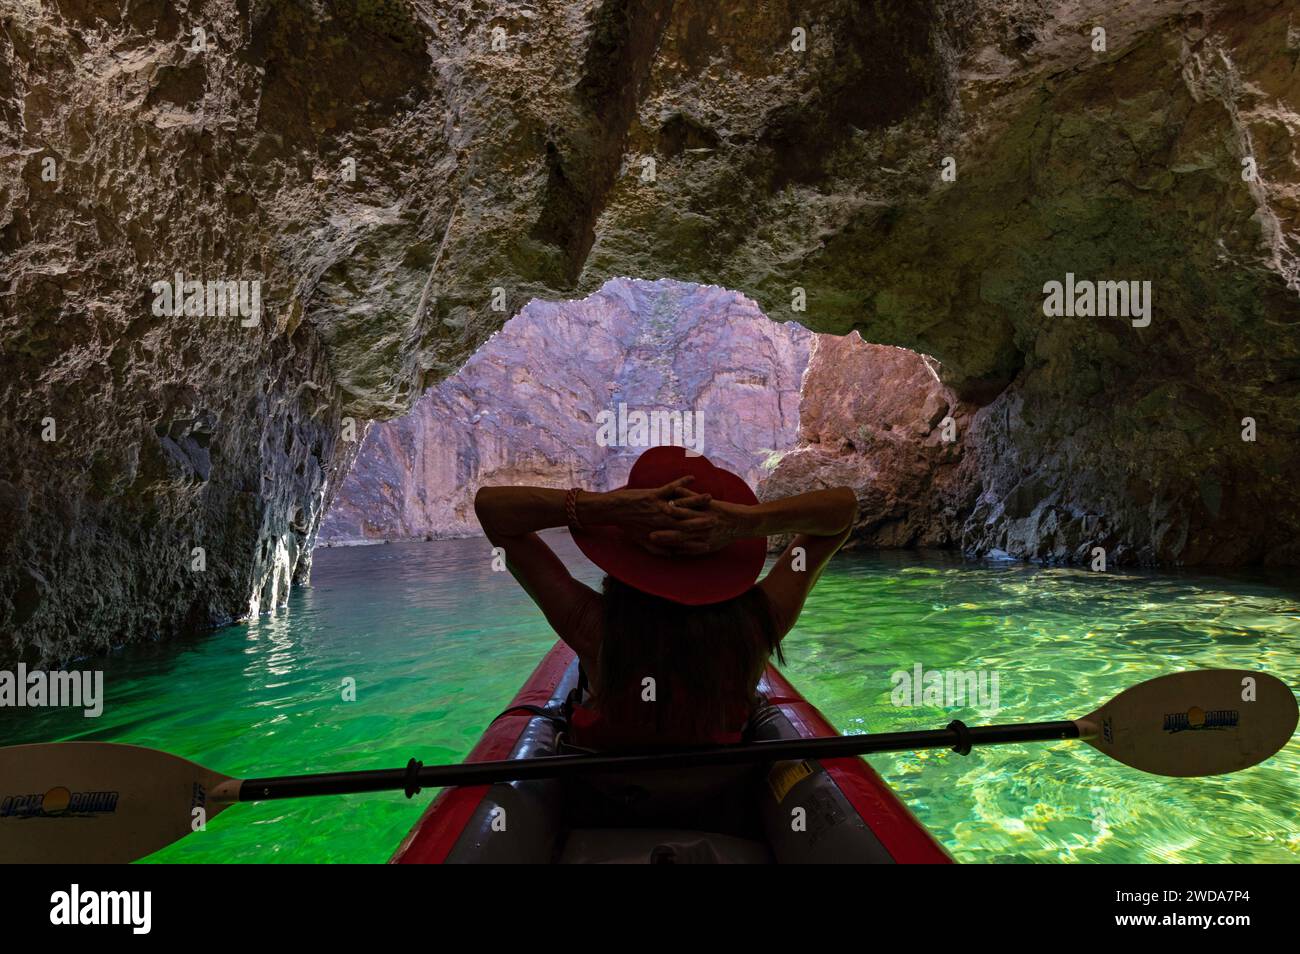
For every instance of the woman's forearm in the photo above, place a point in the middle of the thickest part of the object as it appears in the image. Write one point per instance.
(511, 511)
(821, 513)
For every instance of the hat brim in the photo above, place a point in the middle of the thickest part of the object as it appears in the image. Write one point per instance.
(693, 580)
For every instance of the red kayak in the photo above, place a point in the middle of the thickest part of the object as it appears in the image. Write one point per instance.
(832, 811)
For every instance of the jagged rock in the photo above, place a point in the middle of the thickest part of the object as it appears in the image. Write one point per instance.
(501, 153)
(529, 406)
(877, 419)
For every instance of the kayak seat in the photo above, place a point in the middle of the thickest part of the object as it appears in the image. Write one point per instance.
(715, 799)
(720, 798)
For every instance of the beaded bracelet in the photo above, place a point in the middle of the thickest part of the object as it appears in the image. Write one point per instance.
(571, 508)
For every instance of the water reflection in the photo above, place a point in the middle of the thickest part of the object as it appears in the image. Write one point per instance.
(437, 643)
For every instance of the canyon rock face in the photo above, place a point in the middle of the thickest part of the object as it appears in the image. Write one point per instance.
(538, 403)
(877, 419)
(390, 170)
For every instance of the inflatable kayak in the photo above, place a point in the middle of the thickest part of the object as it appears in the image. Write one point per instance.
(833, 811)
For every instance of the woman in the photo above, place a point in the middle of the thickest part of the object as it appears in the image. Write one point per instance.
(675, 644)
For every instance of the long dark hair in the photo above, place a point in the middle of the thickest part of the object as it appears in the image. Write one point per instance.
(705, 660)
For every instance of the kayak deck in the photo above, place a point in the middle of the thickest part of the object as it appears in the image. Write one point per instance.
(832, 811)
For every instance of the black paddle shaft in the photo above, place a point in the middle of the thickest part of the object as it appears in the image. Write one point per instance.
(411, 779)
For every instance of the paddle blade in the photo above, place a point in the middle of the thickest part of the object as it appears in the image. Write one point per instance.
(1203, 722)
(98, 801)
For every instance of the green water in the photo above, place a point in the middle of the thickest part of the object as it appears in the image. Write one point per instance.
(438, 644)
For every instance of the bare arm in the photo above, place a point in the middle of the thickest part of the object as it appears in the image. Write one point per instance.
(821, 513)
(511, 517)
(514, 511)
(821, 522)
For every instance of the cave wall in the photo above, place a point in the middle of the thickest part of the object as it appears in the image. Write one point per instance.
(538, 403)
(403, 176)
(1122, 166)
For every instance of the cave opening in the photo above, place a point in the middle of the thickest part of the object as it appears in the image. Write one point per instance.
(568, 393)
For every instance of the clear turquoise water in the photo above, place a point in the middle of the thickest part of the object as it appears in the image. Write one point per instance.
(438, 645)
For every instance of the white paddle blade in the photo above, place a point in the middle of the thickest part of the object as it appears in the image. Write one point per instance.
(1203, 722)
(99, 802)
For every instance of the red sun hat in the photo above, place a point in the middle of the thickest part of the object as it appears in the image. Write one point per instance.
(690, 579)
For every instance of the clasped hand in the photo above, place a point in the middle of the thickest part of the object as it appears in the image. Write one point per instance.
(672, 520)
